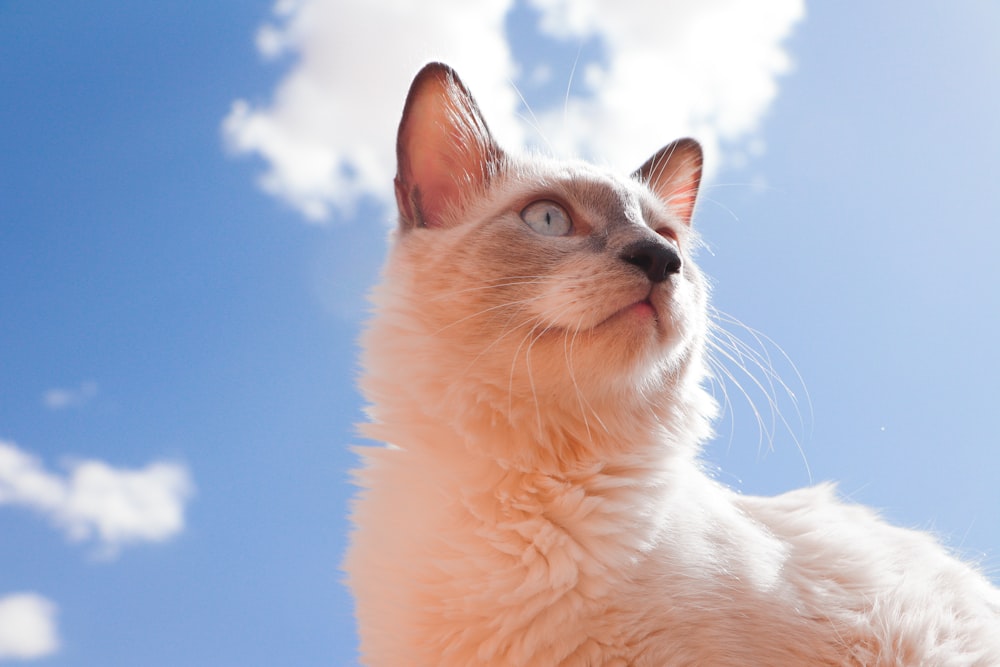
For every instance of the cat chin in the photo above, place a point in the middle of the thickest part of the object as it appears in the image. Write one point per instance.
(652, 326)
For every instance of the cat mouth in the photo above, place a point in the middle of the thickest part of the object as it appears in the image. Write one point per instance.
(643, 309)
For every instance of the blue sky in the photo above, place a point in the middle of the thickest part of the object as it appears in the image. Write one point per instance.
(183, 285)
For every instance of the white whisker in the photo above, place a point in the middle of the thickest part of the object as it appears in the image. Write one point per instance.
(484, 311)
(729, 352)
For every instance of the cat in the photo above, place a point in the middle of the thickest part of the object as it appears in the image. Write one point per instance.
(536, 367)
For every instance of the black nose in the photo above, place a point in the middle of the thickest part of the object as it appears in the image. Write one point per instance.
(657, 260)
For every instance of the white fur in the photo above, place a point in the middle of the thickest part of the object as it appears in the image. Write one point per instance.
(539, 500)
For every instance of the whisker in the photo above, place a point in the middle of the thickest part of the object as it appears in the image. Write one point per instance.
(728, 375)
(743, 355)
(506, 281)
(728, 351)
(500, 306)
(569, 85)
(531, 379)
(507, 330)
(568, 342)
(716, 381)
(582, 401)
(766, 341)
(527, 358)
(533, 121)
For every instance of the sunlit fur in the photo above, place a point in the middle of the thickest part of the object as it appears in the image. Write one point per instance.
(539, 499)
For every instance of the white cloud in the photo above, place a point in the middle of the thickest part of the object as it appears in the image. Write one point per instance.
(97, 502)
(329, 133)
(27, 627)
(667, 69)
(60, 399)
(708, 69)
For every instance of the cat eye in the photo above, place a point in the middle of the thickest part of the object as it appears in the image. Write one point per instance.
(547, 218)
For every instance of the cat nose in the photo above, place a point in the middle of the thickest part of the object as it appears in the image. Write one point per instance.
(657, 260)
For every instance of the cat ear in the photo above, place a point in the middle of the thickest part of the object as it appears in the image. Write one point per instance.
(674, 174)
(444, 151)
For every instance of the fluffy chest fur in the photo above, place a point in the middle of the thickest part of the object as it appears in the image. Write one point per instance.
(535, 368)
(634, 567)
(506, 568)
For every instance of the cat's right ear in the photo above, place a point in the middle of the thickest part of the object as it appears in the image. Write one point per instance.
(444, 151)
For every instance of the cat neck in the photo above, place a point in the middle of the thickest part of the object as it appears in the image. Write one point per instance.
(422, 404)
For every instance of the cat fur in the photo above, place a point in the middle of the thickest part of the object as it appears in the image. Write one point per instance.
(539, 499)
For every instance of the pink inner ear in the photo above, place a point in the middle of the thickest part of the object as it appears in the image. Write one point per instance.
(682, 201)
(674, 174)
(436, 183)
(443, 149)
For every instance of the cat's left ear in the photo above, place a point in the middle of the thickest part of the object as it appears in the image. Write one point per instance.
(674, 175)
(445, 153)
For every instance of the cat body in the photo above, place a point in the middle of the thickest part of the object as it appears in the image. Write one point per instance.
(535, 366)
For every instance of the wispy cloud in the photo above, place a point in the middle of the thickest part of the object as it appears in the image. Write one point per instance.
(708, 69)
(97, 502)
(27, 627)
(60, 398)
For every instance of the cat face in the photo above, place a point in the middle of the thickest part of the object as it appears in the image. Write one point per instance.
(541, 277)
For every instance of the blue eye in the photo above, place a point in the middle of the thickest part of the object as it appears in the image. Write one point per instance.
(547, 218)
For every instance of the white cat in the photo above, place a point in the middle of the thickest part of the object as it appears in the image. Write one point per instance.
(535, 366)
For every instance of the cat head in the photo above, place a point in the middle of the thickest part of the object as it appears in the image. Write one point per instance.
(535, 288)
